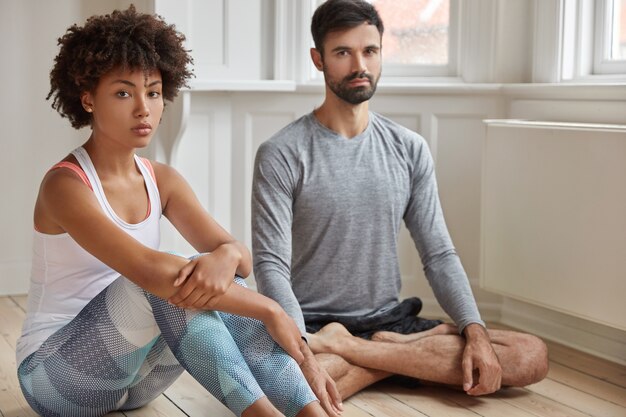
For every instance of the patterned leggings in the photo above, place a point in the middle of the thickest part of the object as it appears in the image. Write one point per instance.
(127, 346)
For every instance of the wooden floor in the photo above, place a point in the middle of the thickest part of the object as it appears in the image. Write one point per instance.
(578, 385)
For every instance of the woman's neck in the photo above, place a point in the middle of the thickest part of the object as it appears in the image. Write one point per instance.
(110, 160)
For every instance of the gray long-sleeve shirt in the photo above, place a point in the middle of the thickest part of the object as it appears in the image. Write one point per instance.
(326, 214)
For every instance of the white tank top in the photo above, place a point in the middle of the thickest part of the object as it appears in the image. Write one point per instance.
(65, 277)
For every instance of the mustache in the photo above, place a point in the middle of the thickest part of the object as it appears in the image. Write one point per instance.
(361, 74)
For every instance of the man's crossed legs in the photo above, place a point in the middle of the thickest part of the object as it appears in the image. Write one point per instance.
(433, 356)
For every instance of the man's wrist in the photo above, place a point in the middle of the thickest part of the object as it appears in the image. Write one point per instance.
(474, 331)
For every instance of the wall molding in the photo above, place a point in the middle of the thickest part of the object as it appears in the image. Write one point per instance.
(580, 334)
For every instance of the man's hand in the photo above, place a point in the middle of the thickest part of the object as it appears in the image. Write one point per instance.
(482, 373)
(321, 383)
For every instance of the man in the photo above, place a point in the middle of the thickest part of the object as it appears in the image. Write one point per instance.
(329, 192)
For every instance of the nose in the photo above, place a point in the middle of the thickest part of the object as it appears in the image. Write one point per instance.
(358, 63)
(142, 109)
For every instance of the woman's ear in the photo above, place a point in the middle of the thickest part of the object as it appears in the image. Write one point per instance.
(86, 100)
(316, 57)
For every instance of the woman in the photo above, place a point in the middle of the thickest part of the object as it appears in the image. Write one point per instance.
(111, 321)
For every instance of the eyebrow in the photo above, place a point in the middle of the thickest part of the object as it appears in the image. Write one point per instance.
(347, 48)
(131, 84)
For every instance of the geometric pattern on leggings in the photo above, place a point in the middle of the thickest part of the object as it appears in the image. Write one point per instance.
(270, 364)
(127, 346)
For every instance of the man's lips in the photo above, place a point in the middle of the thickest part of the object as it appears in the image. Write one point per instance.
(359, 82)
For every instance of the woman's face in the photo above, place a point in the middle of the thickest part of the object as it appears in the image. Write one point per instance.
(126, 107)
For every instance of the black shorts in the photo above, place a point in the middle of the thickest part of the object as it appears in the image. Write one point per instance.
(399, 319)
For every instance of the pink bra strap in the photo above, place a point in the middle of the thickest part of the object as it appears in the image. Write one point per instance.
(148, 165)
(77, 170)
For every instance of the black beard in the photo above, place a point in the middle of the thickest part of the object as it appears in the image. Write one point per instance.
(354, 95)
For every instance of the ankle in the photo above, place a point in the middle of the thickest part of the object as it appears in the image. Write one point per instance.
(262, 408)
(313, 409)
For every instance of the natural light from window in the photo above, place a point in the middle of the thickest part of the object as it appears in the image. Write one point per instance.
(416, 31)
(618, 33)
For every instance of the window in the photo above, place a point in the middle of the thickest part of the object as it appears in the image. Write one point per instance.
(420, 39)
(419, 36)
(610, 37)
(593, 40)
(416, 31)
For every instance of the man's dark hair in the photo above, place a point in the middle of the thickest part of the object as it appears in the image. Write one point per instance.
(126, 39)
(334, 15)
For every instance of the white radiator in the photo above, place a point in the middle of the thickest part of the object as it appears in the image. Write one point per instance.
(553, 225)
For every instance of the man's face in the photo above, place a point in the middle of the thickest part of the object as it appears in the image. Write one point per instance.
(352, 62)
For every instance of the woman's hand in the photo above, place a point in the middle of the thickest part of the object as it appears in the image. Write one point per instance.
(321, 383)
(284, 331)
(204, 279)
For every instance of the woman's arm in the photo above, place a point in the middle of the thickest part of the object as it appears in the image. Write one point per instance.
(72, 207)
(66, 204)
(210, 275)
(195, 224)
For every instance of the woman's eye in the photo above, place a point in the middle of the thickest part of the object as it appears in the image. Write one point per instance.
(154, 94)
(123, 94)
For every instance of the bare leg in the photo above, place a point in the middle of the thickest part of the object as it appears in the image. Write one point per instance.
(349, 378)
(313, 409)
(436, 358)
(262, 408)
(384, 336)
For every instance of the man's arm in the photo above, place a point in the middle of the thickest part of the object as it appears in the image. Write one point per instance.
(272, 199)
(425, 221)
(482, 372)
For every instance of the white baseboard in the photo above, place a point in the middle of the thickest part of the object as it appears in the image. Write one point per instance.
(489, 312)
(595, 339)
(15, 277)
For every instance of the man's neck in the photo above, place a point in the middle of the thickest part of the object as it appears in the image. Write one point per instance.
(348, 120)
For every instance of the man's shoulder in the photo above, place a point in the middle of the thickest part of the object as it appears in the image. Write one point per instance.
(394, 131)
(287, 145)
(291, 134)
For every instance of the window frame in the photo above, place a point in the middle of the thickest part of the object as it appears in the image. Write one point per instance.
(602, 63)
(422, 70)
(393, 73)
(582, 41)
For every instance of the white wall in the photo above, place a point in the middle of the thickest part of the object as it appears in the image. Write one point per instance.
(211, 133)
(34, 136)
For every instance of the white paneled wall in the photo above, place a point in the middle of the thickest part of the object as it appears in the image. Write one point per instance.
(553, 210)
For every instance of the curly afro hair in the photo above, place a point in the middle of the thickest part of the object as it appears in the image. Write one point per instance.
(124, 39)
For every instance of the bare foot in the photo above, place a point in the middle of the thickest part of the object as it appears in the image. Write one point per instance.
(328, 337)
(393, 337)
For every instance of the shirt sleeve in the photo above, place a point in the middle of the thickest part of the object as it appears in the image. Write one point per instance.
(425, 221)
(272, 201)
